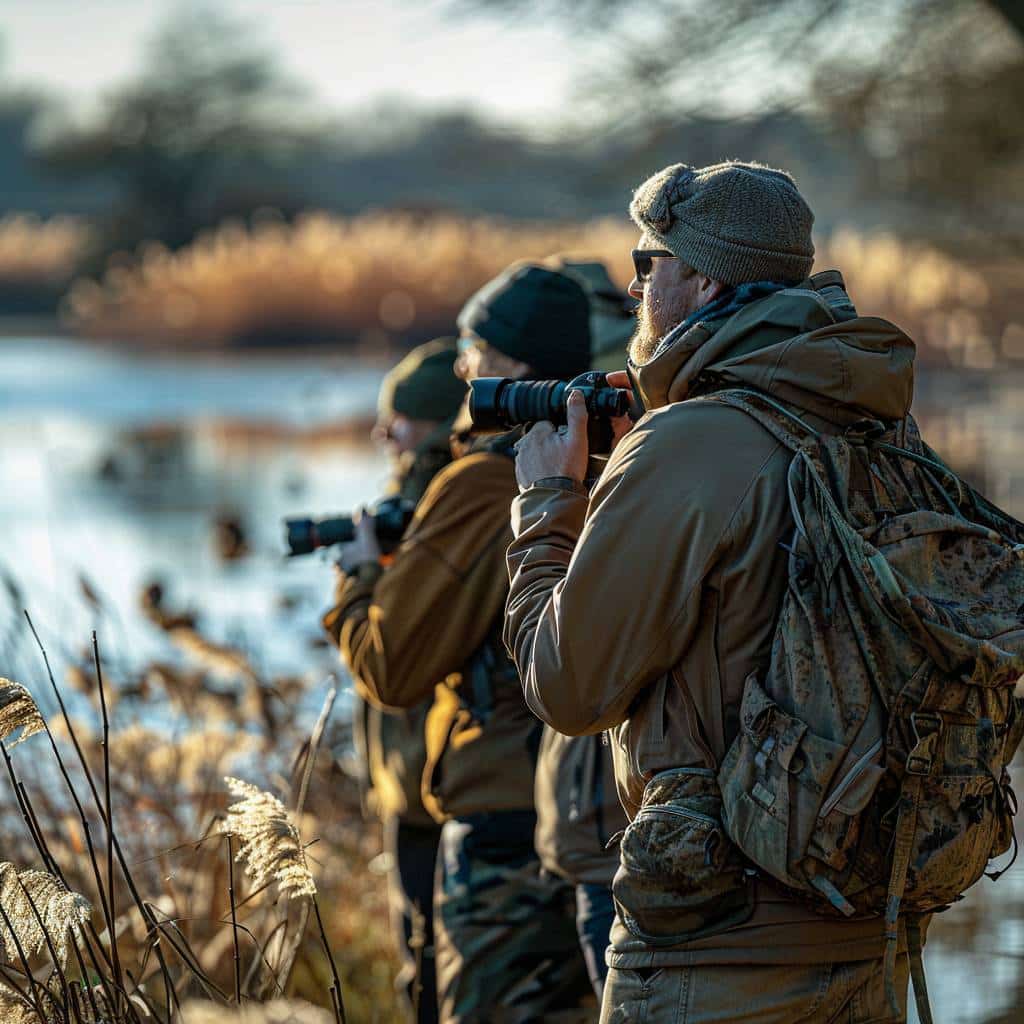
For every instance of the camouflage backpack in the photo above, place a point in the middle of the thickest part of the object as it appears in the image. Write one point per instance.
(869, 774)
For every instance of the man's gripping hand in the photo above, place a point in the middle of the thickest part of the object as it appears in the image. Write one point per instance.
(548, 451)
(364, 548)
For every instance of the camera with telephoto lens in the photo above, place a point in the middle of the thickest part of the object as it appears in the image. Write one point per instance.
(500, 403)
(390, 518)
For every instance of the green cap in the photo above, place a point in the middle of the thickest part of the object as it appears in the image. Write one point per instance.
(423, 386)
(536, 315)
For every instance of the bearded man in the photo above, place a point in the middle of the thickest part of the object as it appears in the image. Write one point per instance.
(644, 607)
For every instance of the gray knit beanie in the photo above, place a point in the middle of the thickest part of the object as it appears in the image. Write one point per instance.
(734, 222)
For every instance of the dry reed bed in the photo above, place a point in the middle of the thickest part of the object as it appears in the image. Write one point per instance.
(38, 251)
(191, 923)
(382, 279)
(368, 280)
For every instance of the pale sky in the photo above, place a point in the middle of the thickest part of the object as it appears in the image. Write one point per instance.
(348, 52)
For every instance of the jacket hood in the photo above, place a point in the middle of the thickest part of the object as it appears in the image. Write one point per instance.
(804, 345)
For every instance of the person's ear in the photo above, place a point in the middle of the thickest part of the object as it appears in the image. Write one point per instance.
(711, 289)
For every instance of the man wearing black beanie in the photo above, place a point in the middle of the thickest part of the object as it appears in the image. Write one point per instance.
(430, 623)
(536, 316)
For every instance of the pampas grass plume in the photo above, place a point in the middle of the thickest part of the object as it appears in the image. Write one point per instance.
(18, 711)
(271, 848)
(13, 1009)
(279, 1011)
(60, 910)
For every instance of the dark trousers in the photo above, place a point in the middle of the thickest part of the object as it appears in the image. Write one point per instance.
(595, 912)
(413, 850)
(507, 950)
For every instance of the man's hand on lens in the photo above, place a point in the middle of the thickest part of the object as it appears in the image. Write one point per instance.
(364, 547)
(546, 451)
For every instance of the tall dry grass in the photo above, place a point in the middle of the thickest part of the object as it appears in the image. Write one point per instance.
(371, 280)
(384, 278)
(32, 249)
(140, 877)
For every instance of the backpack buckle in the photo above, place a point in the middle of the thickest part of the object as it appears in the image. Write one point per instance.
(927, 725)
(865, 430)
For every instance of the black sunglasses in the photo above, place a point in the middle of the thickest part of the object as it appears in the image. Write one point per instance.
(643, 261)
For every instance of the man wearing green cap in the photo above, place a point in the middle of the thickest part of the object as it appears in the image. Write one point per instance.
(416, 407)
(430, 624)
(647, 607)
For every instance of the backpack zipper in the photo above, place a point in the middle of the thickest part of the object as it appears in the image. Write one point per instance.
(847, 780)
(704, 820)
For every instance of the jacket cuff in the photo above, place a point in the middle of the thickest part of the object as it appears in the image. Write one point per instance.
(541, 510)
(354, 589)
(560, 483)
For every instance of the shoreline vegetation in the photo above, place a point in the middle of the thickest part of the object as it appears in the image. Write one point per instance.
(374, 284)
(216, 908)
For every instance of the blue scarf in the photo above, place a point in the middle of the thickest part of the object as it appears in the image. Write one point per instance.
(721, 308)
(730, 302)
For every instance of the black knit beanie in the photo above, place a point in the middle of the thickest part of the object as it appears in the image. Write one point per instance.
(535, 315)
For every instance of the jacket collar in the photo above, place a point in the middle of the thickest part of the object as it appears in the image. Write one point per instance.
(805, 345)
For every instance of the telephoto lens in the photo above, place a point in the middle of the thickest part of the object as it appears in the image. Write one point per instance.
(390, 518)
(499, 403)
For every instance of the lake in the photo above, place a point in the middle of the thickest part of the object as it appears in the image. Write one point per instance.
(114, 467)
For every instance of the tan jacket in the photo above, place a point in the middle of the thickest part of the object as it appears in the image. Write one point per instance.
(644, 609)
(429, 624)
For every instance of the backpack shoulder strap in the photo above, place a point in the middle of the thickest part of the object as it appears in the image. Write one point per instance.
(783, 424)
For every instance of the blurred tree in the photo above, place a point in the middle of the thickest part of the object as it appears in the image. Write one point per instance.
(932, 87)
(209, 97)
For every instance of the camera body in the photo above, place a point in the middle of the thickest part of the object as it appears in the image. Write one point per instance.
(390, 518)
(500, 403)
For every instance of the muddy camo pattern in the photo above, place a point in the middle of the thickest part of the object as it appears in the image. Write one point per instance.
(870, 772)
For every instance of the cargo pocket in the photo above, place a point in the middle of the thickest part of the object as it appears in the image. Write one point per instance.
(773, 780)
(679, 876)
(838, 826)
(956, 832)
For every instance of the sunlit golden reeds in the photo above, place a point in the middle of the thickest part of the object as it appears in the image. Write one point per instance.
(42, 251)
(128, 817)
(382, 278)
(278, 1011)
(38, 907)
(369, 278)
(14, 1009)
(18, 711)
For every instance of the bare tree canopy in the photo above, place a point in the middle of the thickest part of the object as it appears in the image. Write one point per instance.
(931, 87)
(209, 95)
